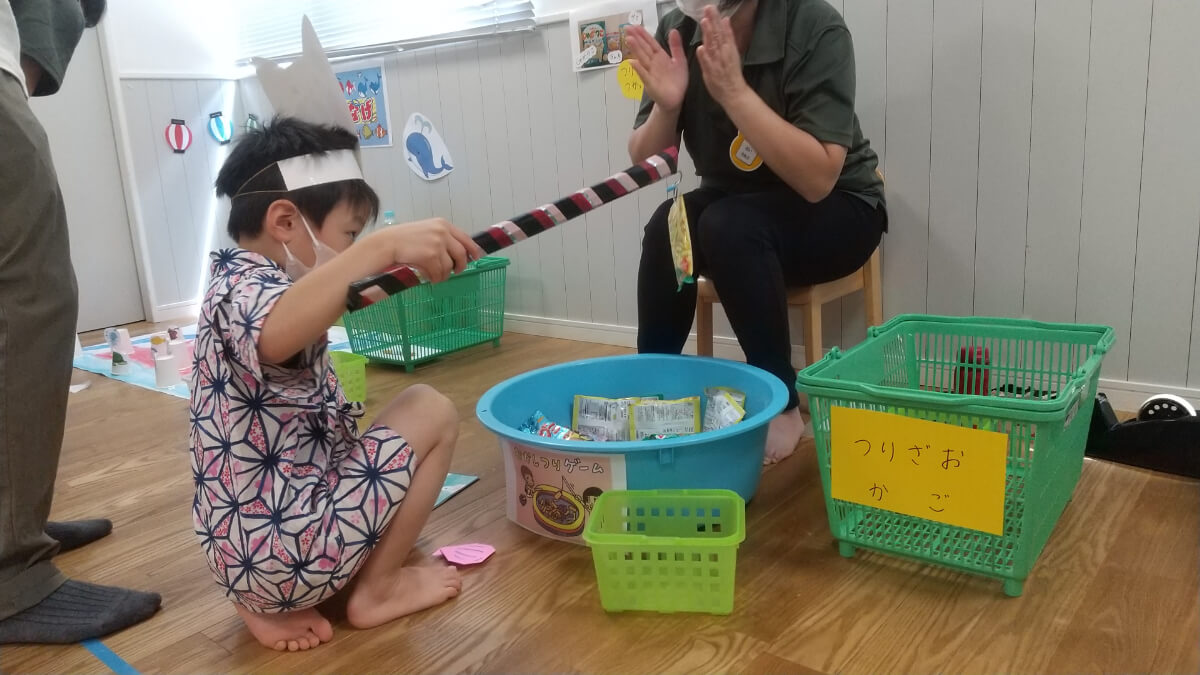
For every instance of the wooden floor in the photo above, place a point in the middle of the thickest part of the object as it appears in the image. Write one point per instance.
(1115, 590)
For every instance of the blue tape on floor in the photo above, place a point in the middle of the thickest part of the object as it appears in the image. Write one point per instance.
(109, 658)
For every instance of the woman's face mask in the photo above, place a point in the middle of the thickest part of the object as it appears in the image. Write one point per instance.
(295, 268)
(695, 8)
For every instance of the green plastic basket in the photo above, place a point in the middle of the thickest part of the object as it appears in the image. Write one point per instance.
(1042, 379)
(351, 370)
(666, 550)
(429, 321)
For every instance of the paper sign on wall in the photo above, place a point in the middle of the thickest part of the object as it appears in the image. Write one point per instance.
(425, 150)
(598, 31)
(941, 472)
(365, 91)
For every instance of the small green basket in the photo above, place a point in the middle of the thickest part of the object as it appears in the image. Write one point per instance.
(1041, 381)
(351, 370)
(666, 550)
(427, 322)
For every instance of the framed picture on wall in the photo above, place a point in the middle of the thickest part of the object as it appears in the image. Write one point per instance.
(597, 31)
(365, 89)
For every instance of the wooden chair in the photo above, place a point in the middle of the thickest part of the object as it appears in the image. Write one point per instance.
(809, 298)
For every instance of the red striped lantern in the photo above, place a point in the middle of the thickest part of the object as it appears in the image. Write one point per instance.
(179, 137)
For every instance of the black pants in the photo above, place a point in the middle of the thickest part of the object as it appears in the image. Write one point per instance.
(753, 247)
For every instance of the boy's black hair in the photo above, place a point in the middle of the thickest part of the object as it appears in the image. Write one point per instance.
(592, 492)
(252, 182)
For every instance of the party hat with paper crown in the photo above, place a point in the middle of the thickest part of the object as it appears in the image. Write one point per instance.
(307, 89)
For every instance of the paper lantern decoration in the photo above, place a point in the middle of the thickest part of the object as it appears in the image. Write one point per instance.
(220, 128)
(179, 137)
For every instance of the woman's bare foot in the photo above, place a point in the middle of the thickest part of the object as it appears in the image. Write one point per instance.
(783, 435)
(410, 590)
(288, 631)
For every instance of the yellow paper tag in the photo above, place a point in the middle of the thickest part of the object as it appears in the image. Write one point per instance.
(929, 470)
(631, 84)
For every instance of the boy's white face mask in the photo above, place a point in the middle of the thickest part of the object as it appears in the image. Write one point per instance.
(296, 268)
(695, 8)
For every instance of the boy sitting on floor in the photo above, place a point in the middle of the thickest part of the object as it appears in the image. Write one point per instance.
(291, 500)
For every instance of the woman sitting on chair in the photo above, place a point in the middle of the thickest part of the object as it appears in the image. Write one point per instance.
(762, 93)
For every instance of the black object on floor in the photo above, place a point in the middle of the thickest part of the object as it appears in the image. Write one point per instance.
(1167, 445)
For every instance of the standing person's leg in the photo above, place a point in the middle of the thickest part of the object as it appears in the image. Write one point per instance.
(37, 325)
(755, 246)
(665, 313)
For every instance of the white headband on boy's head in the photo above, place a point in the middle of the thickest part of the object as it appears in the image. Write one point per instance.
(309, 91)
(309, 170)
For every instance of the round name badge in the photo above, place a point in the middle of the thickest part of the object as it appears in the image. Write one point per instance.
(743, 155)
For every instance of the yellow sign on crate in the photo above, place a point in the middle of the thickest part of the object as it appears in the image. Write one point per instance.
(929, 470)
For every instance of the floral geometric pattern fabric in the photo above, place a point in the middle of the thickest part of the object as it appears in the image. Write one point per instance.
(290, 499)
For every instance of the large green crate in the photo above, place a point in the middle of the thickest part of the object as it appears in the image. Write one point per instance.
(1047, 375)
(666, 550)
(426, 322)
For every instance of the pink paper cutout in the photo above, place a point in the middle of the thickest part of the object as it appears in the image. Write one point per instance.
(466, 554)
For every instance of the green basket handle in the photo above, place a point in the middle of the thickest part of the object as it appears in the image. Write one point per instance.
(1068, 398)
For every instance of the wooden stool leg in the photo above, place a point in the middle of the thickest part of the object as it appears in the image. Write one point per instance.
(704, 326)
(812, 333)
(873, 290)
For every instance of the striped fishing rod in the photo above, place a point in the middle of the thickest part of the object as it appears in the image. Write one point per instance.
(366, 292)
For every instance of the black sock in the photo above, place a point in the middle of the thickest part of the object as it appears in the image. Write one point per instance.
(78, 611)
(72, 534)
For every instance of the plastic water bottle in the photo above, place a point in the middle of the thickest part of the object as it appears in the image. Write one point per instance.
(389, 218)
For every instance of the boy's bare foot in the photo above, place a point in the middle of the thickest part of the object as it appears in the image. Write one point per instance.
(410, 590)
(288, 631)
(783, 435)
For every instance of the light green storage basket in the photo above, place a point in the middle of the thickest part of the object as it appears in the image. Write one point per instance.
(351, 370)
(1042, 379)
(666, 550)
(427, 322)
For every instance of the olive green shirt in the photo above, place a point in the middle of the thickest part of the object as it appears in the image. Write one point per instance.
(50, 31)
(800, 61)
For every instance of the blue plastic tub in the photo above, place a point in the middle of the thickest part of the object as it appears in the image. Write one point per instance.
(552, 483)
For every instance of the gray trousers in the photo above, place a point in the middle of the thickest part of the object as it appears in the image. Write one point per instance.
(38, 307)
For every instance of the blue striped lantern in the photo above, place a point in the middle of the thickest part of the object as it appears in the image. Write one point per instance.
(220, 128)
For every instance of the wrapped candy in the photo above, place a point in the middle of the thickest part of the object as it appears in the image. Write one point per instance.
(604, 419)
(681, 238)
(539, 425)
(723, 407)
(652, 417)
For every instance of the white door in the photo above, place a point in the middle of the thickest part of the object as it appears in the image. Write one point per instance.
(79, 123)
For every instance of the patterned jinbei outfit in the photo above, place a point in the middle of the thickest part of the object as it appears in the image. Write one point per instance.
(290, 499)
